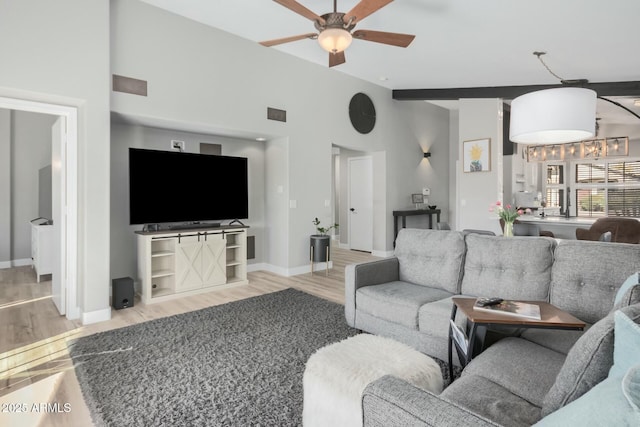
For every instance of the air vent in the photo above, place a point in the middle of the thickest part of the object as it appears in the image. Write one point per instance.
(275, 114)
(129, 85)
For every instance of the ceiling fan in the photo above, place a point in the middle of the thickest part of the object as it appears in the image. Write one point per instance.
(334, 28)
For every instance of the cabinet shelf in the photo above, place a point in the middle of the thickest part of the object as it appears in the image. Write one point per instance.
(162, 253)
(162, 273)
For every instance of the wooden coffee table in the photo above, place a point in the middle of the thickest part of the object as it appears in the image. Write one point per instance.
(478, 322)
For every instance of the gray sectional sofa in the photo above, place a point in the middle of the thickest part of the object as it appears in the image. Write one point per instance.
(520, 379)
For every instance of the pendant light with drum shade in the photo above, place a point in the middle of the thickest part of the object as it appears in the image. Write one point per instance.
(554, 116)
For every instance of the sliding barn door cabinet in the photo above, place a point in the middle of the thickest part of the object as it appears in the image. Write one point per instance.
(174, 264)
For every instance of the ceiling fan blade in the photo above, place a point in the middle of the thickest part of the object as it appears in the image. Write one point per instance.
(275, 42)
(364, 9)
(336, 59)
(395, 39)
(301, 10)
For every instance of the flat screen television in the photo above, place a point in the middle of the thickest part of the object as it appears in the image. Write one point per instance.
(169, 186)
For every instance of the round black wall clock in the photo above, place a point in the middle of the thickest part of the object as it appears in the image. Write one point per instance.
(362, 113)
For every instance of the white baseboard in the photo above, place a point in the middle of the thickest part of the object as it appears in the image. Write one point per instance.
(16, 263)
(287, 272)
(96, 316)
(383, 254)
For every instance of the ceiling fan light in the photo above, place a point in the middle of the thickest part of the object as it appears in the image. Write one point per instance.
(334, 40)
(553, 116)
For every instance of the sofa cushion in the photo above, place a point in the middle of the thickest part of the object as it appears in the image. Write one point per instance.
(629, 292)
(433, 317)
(555, 339)
(587, 363)
(431, 258)
(397, 301)
(490, 400)
(587, 289)
(503, 363)
(513, 268)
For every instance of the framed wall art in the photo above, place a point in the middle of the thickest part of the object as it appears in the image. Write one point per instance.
(476, 155)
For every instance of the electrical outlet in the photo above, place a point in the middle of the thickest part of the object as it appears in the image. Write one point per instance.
(177, 145)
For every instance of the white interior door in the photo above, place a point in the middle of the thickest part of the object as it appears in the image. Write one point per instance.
(361, 203)
(58, 282)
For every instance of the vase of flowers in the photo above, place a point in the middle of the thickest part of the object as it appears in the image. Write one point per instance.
(508, 214)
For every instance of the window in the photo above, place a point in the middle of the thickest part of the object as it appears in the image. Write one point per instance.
(608, 188)
(554, 185)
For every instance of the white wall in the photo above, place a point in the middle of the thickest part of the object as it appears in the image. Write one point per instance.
(454, 166)
(58, 52)
(30, 151)
(5, 188)
(480, 119)
(200, 76)
(277, 205)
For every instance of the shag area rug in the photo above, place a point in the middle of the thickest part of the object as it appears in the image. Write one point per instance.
(237, 364)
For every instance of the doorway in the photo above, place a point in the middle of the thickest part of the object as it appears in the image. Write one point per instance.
(360, 203)
(65, 184)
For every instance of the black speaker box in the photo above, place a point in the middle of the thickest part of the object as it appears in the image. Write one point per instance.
(122, 293)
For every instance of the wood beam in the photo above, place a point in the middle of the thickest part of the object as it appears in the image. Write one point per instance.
(510, 92)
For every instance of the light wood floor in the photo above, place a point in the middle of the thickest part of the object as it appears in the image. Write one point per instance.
(35, 369)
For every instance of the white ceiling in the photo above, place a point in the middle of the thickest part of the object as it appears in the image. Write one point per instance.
(459, 43)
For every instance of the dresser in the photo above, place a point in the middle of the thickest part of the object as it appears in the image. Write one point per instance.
(42, 249)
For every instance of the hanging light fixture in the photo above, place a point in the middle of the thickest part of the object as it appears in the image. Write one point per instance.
(335, 40)
(553, 116)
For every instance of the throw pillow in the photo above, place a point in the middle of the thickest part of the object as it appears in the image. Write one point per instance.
(626, 344)
(604, 405)
(631, 387)
(629, 292)
(587, 363)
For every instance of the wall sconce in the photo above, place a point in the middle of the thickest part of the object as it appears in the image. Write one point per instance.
(427, 154)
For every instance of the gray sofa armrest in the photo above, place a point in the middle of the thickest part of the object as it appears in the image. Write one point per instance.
(390, 402)
(366, 274)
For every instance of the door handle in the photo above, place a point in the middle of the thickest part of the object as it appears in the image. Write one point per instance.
(352, 210)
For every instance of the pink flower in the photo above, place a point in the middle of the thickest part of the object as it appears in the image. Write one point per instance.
(528, 210)
(498, 203)
(508, 206)
(520, 211)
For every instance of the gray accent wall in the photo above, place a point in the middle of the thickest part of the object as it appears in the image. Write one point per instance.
(30, 151)
(25, 148)
(125, 136)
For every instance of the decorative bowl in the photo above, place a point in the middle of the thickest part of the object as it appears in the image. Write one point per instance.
(432, 206)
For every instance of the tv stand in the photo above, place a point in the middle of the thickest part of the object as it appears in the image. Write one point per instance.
(200, 259)
(236, 221)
